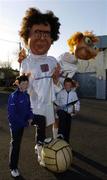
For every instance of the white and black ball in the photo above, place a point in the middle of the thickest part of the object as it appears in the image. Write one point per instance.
(57, 155)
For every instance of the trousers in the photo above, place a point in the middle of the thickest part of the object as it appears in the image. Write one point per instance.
(64, 126)
(16, 138)
(40, 122)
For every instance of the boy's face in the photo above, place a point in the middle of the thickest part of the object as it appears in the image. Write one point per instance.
(23, 85)
(40, 39)
(68, 86)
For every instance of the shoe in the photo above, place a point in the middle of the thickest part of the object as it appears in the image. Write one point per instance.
(42, 163)
(38, 149)
(15, 173)
(48, 140)
(60, 136)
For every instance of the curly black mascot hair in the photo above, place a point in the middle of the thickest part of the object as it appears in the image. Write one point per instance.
(35, 16)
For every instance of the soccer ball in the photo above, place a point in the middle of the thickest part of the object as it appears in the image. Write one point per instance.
(57, 155)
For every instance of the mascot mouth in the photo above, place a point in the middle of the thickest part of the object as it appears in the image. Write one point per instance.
(85, 53)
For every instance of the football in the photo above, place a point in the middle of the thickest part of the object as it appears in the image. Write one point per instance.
(57, 155)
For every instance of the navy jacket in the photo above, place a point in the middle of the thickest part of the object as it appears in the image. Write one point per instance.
(19, 109)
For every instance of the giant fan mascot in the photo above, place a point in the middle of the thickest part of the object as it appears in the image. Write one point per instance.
(82, 46)
(38, 31)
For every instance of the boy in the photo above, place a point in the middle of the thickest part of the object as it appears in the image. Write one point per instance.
(68, 105)
(19, 115)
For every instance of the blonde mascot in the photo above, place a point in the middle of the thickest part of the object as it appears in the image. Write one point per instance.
(82, 46)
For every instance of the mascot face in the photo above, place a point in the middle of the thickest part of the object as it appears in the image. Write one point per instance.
(40, 39)
(83, 45)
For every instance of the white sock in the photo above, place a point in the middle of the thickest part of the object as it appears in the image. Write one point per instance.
(55, 132)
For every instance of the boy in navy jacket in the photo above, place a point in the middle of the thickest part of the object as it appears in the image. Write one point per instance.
(20, 116)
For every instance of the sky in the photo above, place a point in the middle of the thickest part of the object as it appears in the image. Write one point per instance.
(74, 15)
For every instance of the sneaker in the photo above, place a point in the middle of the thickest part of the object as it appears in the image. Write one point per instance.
(36, 149)
(60, 136)
(42, 163)
(48, 140)
(15, 173)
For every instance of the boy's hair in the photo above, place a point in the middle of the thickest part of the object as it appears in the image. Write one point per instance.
(70, 81)
(35, 16)
(21, 78)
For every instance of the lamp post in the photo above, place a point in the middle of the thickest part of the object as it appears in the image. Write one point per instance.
(20, 47)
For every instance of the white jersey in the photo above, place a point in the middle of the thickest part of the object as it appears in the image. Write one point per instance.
(41, 87)
(64, 97)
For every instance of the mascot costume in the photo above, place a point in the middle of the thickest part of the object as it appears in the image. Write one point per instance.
(38, 32)
(82, 46)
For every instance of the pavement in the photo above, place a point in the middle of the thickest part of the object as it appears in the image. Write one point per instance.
(88, 141)
(89, 137)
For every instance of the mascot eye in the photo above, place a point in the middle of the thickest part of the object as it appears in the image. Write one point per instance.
(88, 41)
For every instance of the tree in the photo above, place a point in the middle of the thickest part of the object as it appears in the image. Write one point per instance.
(9, 73)
(5, 64)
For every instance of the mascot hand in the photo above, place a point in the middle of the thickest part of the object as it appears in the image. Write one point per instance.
(22, 55)
(56, 73)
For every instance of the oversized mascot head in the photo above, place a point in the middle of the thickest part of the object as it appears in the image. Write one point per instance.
(83, 45)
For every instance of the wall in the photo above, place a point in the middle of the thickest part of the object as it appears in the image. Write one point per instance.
(99, 67)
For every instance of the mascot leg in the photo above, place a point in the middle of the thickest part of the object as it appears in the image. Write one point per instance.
(40, 122)
(39, 150)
